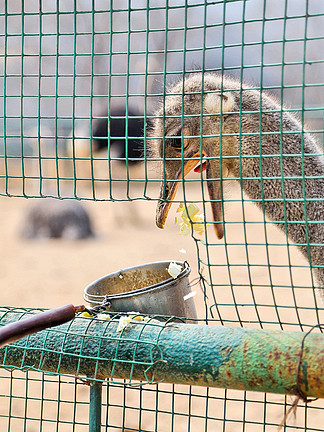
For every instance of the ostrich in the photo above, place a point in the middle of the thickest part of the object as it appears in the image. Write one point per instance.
(51, 218)
(246, 135)
(116, 127)
(79, 145)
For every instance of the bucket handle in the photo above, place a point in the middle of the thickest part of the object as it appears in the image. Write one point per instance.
(103, 306)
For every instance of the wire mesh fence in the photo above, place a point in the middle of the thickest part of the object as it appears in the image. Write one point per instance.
(48, 402)
(68, 67)
(95, 352)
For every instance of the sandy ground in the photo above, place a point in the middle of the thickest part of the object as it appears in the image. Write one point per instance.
(49, 273)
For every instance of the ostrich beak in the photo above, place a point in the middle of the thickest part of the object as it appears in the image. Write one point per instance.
(214, 191)
(169, 189)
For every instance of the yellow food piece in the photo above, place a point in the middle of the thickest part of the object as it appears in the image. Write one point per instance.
(138, 318)
(190, 216)
(99, 316)
(102, 316)
(124, 321)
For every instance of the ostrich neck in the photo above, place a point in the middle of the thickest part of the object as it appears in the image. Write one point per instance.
(287, 183)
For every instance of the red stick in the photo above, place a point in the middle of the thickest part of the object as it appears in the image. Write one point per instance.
(33, 324)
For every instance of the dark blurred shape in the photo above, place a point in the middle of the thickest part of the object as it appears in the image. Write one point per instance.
(53, 218)
(117, 132)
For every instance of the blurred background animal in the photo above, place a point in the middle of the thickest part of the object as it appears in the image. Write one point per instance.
(52, 219)
(125, 130)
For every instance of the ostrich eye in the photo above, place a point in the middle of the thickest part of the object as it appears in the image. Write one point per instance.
(176, 143)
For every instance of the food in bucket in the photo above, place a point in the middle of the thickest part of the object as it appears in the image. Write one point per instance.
(174, 269)
(190, 216)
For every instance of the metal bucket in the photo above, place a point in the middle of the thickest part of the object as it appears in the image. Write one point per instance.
(147, 289)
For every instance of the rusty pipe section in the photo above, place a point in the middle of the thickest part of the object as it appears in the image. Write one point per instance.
(213, 356)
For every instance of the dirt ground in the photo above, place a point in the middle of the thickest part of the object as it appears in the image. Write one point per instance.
(49, 273)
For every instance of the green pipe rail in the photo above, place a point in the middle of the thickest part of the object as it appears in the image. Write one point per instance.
(154, 351)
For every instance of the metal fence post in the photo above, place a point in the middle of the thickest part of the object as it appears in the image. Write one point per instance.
(95, 407)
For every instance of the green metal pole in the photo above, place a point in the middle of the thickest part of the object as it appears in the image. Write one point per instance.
(95, 407)
(213, 356)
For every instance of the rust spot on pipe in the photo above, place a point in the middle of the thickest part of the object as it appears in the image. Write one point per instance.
(276, 354)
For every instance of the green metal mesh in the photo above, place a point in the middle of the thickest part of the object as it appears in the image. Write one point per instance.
(64, 350)
(33, 401)
(64, 65)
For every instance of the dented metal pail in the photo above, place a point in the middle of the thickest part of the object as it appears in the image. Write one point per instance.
(147, 289)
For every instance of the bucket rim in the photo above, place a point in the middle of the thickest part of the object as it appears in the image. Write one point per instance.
(92, 298)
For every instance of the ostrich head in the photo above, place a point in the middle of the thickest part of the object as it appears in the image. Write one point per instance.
(192, 111)
(242, 134)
